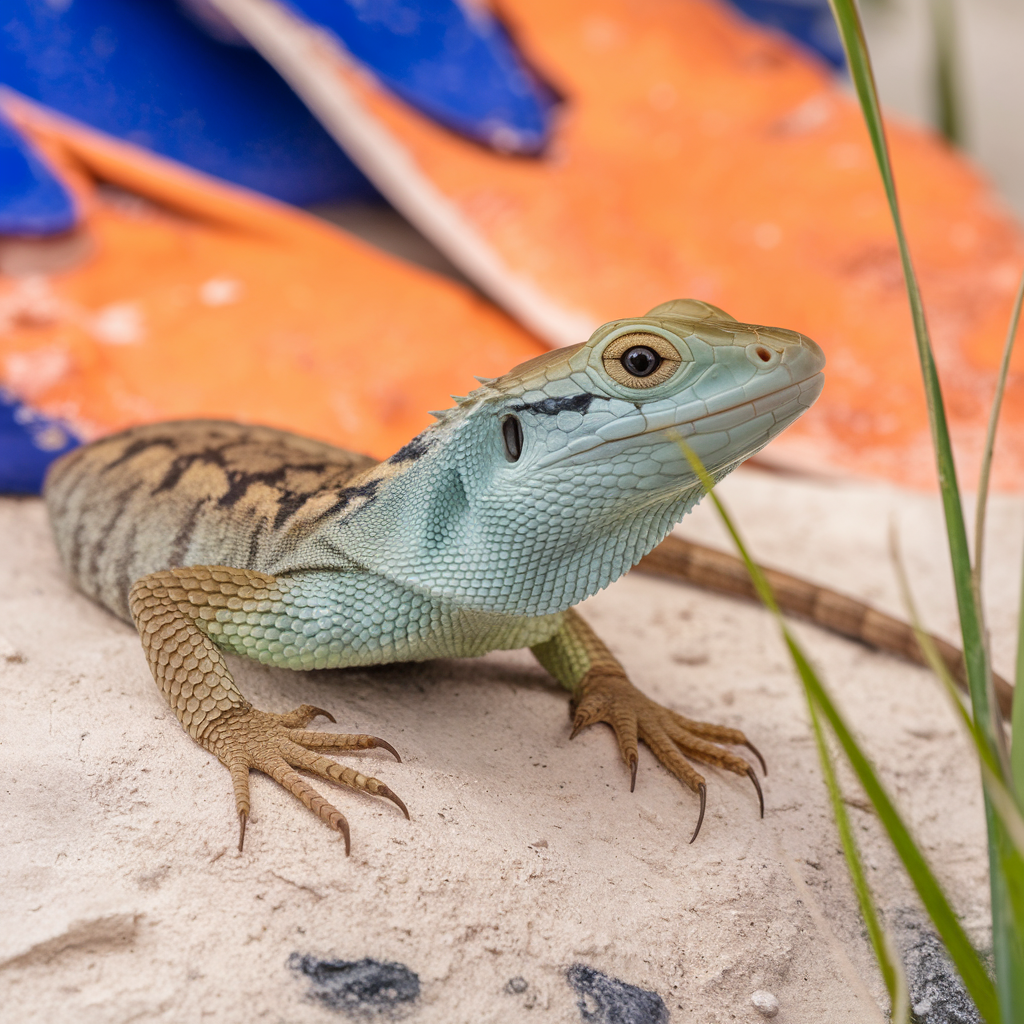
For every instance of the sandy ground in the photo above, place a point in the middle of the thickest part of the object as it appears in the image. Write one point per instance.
(530, 884)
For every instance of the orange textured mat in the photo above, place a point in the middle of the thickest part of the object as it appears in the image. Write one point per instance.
(700, 155)
(185, 297)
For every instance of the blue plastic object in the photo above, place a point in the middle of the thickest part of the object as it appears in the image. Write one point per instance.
(809, 22)
(32, 200)
(29, 442)
(142, 71)
(456, 65)
(146, 72)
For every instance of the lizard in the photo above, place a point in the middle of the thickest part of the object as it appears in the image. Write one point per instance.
(532, 493)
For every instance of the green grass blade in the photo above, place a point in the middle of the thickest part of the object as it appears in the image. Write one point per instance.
(998, 792)
(990, 436)
(1007, 941)
(934, 659)
(892, 970)
(947, 105)
(1017, 715)
(1012, 821)
(979, 523)
(1007, 917)
(852, 34)
(953, 937)
(958, 946)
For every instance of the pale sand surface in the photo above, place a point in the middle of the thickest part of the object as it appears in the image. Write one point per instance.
(124, 897)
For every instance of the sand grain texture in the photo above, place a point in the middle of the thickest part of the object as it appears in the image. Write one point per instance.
(124, 897)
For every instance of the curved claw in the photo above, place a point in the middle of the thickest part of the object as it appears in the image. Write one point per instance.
(378, 742)
(342, 827)
(757, 753)
(242, 818)
(703, 789)
(632, 772)
(757, 786)
(395, 799)
(325, 714)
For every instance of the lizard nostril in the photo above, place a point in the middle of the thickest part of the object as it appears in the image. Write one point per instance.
(764, 357)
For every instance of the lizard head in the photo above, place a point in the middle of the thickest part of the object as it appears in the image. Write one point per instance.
(687, 368)
(545, 484)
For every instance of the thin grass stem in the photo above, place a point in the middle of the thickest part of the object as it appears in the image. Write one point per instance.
(1017, 713)
(852, 34)
(981, 509)
(961, 952)
(947, 92)
(990, 436)
(992, 776)
(892, 969)
(1007, 924)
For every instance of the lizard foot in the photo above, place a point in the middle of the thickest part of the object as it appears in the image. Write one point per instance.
(608, 696)
(277, 745)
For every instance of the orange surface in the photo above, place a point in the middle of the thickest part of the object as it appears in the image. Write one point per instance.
(702, 156)
(199, 299)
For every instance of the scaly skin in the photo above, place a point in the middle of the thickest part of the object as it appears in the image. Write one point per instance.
(541, 488)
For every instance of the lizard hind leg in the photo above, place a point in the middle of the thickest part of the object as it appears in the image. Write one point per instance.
(168, 608)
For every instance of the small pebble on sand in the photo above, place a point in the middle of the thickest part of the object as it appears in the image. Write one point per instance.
(765, 1003)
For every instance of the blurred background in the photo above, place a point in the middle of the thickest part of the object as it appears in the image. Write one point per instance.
(985, 40)
(536, 171)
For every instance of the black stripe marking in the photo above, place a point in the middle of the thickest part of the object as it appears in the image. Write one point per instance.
(99, 544)
(182, 539)
(122, 575)
(183, 463)
(254, 541)
(139, 446)
(553, 406)
(413, 450)
(240, 481)
(349, 494)
(288, 504)
(291, 502)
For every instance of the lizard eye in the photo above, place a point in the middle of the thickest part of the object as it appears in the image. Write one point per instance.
(640, 361)
(512, 435)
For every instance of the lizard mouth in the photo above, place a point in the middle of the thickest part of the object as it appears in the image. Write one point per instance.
(733, 430)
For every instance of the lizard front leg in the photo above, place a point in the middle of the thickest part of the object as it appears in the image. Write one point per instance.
(602, 692)
(174, 611)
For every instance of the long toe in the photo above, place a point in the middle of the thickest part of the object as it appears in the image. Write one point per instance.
(280, 746)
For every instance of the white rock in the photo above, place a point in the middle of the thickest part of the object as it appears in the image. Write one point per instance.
(765, 1003)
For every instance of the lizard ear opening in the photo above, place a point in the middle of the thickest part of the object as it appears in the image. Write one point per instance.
(512, 435)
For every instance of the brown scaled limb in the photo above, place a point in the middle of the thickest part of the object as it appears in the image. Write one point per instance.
(277, 745)
(606, 695)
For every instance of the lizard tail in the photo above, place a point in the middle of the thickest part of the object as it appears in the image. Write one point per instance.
(680, 559)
